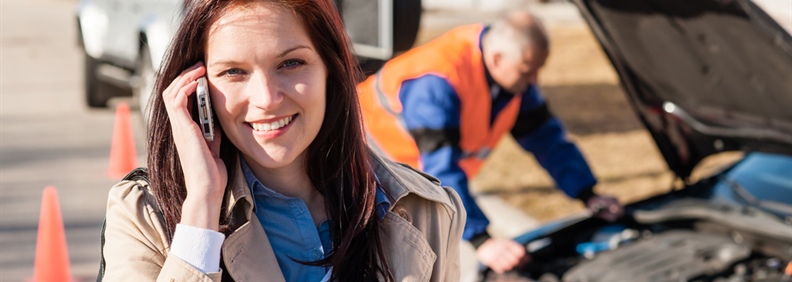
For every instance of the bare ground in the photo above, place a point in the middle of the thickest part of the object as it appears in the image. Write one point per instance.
(584, 92)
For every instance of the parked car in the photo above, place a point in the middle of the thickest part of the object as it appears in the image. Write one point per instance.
(704, 77)
(124, 40)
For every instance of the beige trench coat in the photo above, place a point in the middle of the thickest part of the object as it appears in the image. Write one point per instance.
(421, 233)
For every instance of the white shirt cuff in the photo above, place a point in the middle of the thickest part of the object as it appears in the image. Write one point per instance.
(197, 246)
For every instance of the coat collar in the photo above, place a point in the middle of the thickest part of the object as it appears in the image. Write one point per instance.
(239, 199)
(399, 180)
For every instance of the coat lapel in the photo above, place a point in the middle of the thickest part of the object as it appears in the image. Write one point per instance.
(248, 256)
(399, 180)
(411, 255)
(247, 253)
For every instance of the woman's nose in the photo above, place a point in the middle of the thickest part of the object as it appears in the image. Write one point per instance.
(265, 92)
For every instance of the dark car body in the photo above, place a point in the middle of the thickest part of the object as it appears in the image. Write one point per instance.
(704, 77)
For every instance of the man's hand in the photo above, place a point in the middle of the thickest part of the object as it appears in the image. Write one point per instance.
(605, 207)
(502, 255)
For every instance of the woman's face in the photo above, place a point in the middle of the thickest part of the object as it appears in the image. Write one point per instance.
(267, 82)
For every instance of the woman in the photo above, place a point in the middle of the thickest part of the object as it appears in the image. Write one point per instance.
(288, 190)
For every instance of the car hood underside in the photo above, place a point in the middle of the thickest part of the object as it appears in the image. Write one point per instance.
(705, 76)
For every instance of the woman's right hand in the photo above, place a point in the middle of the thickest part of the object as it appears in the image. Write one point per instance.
(204, 172)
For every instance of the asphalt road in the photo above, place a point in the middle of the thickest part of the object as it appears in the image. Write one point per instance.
(48, 137)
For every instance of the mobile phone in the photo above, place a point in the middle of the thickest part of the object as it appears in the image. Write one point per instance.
(205, 117)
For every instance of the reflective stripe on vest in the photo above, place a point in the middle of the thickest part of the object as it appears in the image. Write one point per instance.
(480, 154)
(382, 99)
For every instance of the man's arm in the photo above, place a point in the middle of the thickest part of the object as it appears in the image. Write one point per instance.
(539, 132)
(431, 114)
(542, 134)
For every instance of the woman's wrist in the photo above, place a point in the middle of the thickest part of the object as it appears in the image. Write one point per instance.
(199, 247)
(202, 212)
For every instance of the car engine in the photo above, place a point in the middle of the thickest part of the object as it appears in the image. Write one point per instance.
(670, 256)
(688, 240)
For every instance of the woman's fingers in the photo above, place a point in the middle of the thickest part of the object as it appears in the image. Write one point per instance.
(183, 86)
(176, 98)
(183, 78)
(186, 132)
(181, 95)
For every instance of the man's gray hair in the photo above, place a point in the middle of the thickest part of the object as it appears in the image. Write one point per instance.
(514, 33)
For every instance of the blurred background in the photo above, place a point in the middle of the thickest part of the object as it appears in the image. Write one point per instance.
(49, 136)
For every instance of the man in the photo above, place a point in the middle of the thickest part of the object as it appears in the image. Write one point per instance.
(443, 106)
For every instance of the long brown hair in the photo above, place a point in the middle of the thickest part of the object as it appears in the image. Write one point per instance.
(349, 189)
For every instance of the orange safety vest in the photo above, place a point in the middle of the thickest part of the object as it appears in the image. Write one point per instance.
(456, 57)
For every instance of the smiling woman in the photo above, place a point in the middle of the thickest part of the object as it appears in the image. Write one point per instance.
(288, 189)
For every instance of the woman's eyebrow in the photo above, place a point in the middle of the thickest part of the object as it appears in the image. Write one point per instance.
(225, 63)
(287, 51)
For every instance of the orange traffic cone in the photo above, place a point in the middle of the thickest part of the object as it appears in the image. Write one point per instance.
(123, 157)
(52, 257)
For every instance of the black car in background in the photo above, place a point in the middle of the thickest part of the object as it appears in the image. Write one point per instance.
(704, 77)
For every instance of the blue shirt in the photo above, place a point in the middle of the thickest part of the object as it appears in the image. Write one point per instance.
(291, 230)
(430, 103)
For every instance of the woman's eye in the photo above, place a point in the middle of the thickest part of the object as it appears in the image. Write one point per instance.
(233, 72)
(292, 64)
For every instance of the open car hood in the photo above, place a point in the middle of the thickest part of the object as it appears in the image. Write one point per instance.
(704, 76)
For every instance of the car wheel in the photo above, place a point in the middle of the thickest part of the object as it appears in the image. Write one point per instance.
(145, 83)
(94, 96)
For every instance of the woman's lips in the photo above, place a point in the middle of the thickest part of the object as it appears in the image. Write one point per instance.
(269, 126)
(272, 129)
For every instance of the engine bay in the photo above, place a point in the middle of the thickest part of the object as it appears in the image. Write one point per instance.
(688, 240)
(677, 255)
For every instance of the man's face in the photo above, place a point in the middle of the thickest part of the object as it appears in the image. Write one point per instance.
(516, 74)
